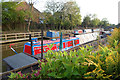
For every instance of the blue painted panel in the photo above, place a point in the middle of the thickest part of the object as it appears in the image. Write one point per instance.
(52, 34)
(49, 34)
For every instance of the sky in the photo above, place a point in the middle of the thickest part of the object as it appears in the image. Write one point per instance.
(102, 8)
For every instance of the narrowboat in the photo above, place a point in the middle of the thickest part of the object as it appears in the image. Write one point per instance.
(78, 31)
(36, 48)
(67, 43)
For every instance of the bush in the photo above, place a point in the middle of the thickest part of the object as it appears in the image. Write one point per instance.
(81, 64)
(115, 38)
(106, 62)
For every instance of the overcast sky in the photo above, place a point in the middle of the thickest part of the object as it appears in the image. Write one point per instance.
(103, 8)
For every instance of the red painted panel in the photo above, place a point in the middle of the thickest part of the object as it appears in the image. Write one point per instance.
(64, 45)
(70, 43)
(54, 47)
(76, 41)
(37, 50)
(45, 48)
(27, 49)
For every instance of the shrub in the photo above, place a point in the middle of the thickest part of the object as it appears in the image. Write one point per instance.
(106, 62)
(115, 37)
(81, 64)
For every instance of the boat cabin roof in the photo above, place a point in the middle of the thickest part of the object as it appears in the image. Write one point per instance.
(51, 41)
(19, 60)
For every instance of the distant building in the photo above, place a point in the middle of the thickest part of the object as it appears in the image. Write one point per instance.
(33, 11)
(30, 11)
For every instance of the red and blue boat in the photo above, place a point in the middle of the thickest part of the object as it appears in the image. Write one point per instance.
(36, 48)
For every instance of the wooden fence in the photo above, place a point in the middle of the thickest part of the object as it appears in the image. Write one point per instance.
(5, 38)
(18, 36)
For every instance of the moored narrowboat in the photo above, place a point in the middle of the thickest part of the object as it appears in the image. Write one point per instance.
(36, 48)
(67, 43)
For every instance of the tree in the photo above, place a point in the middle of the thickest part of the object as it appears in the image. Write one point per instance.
(71, 14)
(55, 9)
(31, 3)
(53, 6)
(86, 21)
(92, 21)
(48, 19)
(11, 17)
(64, 13)
(58, 20)
(95, 21)
(104, 22)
